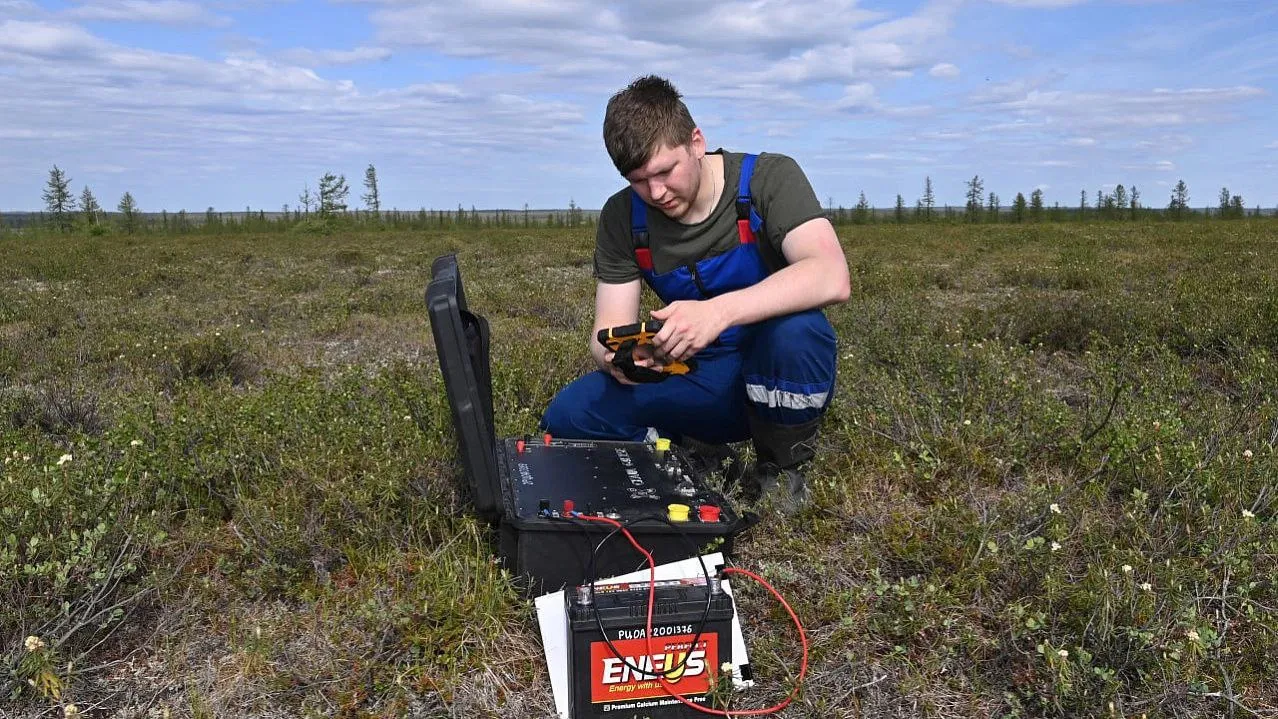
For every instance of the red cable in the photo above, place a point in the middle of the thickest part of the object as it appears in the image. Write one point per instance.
(652, 597)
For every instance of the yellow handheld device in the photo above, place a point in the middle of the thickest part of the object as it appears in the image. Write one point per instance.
(634, 342)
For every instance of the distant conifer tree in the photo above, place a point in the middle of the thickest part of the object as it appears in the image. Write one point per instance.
(332, 194)
(1178, 207)
(306, 199)
(89, 206)
(128, 213)
(863, 210)
(372, 201)
(58, 200)
(975, 193)
(1036, 205)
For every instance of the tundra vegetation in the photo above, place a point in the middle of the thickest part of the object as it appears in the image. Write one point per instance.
(1045, 487)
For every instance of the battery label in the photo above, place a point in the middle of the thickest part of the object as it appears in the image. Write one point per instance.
(659, 584)
(612, 679)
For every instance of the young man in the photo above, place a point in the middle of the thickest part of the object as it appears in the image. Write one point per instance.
(739, 252)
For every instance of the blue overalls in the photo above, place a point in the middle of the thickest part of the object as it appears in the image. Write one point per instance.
(782, 368)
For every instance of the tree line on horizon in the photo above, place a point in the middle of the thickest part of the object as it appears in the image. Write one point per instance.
(327, 206)
(320, 210)
(1120, 204)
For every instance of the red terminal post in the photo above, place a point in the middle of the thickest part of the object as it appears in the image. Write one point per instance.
(546, 439)
(519, 446)
(569, 506)
(708, 513)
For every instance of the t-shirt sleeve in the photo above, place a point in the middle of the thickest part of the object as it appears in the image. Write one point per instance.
(614, 251)
(785, 197)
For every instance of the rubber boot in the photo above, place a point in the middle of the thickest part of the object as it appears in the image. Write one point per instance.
(714, 460)
(781, 451)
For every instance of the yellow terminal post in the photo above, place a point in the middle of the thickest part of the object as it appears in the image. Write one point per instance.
(663, 446)
(678, 512)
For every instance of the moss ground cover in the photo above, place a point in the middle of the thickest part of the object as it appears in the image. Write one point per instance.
(1045, 486)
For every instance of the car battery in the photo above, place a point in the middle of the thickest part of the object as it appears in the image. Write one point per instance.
(618, 676)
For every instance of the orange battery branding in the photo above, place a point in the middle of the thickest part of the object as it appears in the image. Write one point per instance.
(614, 676)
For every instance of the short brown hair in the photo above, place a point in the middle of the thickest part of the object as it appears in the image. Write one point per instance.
(646, 115)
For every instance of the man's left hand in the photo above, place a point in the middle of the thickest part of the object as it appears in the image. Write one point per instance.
(688, 326)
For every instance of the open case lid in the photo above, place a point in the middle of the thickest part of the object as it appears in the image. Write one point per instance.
(461, 341)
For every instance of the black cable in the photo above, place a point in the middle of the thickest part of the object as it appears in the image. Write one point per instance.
(701, 623)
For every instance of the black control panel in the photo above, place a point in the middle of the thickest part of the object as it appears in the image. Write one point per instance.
(621, 480)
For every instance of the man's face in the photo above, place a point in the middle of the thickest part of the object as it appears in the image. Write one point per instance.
(671, 178)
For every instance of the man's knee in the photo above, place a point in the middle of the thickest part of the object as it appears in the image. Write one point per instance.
(801, 331)
(588, 408)
(558, 417)
(790, 374)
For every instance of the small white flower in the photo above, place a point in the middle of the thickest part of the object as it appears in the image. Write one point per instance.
(1056, 546)
(726, 667)
(1192, 635)
(1056, 508)
(967, 423)
(408, 418)
(135, 443)
(34, 643)
(1127, 569)
(64, 459)
(1246, 454)
(71, 711)
(1063, 653)
(1146, 586)
(1248, 514)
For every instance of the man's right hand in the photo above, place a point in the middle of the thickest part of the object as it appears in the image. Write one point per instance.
(620, 376)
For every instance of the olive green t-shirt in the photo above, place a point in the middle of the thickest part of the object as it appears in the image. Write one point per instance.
(779, 190)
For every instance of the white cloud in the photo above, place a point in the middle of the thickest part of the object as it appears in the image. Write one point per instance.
(776, 41)
(46, 40)
(19, 7)
(242, 108)
(1171, 142)
(1082, 112)
(944, 69)
(945, 135)
(1272, 146)
(328, 58)
(1081, 142)
(860, 96)
(1158, 166)
(163, 12)
(1016, 126)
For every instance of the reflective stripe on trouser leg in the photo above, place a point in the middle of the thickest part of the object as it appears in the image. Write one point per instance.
(707, 404)
(789, 368)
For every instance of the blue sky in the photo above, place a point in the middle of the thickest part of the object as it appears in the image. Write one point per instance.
(498, 103)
